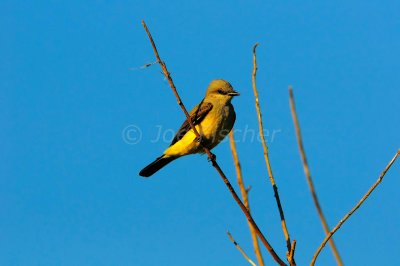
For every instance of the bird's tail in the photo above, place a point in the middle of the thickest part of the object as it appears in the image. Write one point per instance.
(159, 163)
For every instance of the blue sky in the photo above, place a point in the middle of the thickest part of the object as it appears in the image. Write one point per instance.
(70, 192)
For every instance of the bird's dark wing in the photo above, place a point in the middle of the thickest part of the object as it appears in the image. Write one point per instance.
(196, 115)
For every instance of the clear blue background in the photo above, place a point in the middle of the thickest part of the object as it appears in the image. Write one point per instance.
(69, 187)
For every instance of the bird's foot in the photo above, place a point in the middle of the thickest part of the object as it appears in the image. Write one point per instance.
(200, 140)
(213, 157)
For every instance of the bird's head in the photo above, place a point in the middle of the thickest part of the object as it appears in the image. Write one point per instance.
(220, 89)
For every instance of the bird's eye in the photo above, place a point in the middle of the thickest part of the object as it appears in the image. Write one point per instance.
(220, 91)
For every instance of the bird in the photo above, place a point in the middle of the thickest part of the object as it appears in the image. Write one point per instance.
(213, 119)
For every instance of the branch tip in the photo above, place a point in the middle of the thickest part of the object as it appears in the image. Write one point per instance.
(255, 46)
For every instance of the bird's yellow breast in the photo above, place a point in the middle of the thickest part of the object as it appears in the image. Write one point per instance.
(213, 129)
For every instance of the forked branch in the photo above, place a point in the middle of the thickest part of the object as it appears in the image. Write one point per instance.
(266, 156)
(290, 255)
(209, 154)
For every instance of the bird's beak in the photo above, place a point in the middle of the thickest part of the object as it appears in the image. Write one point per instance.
(234, 93)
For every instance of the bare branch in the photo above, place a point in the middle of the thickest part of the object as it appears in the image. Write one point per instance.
(240, 249)
(210, 155)
(347, 216)
(244, 191)
(266, 156)
(308, 177)
(290, 254)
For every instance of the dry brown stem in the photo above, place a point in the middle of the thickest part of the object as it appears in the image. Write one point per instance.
(290, 254)
(266, 156)
(240, 249)
(209, 154)
(308, 177)
(244, 192)
(347, 216)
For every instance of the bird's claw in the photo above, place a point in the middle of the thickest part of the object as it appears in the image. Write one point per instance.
(213, 157)
(199, 139)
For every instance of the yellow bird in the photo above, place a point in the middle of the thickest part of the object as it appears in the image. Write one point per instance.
(213, 118)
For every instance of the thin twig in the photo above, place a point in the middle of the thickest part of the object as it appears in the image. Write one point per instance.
(209, 154)
(347, 216)
(144, 66)
(309, 179)
(290, 254)
(244, 192)
(265, 147)
(240, 249)
(248, 189)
